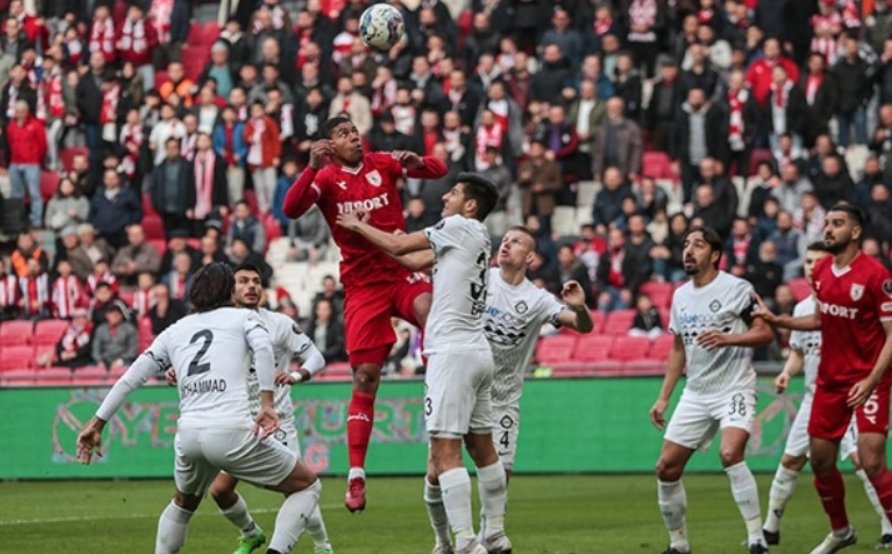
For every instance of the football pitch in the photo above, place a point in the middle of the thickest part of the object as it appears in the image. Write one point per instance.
(573, 514)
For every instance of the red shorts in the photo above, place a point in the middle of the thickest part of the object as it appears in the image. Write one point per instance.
(367, 313)
(831, 416)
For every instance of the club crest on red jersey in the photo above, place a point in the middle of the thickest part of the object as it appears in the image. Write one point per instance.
(857, 292)
(374, 178)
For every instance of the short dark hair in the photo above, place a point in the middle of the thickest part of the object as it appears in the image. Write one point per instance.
(711, 236)
(479, 188)
(212, 287)
(247, 266)
(853, 212)
(527, 232)
(817, 246)
(327, 128)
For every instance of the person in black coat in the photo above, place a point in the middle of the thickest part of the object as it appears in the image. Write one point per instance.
(855, 78)
(211, 191)
(173, 189)
(385, 138)
(19, 88)
(698, 111)
(786, 110)
(821, 92)
(88, 99)
(327, 332)
(552, 77)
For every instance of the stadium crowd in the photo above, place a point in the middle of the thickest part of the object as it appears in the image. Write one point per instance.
(140, 143)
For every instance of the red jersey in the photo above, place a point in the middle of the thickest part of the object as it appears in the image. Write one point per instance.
(370, 188)
(853, 302)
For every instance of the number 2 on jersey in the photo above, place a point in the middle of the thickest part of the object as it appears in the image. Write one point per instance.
(195, 366)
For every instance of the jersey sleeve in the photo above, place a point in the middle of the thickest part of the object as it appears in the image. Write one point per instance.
(147, 365)
(882, 293)
(304, 192)
(743, 299)
(258, 338)
(673, 317)
(552, 308)
(446, 234)
(301, 347)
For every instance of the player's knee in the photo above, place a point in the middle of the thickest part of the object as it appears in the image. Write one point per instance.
(873, 465)
(730, 456)
(186, 501)
(667, 470)
(366, 378)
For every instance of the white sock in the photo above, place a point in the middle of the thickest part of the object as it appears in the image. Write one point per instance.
(172, 526)
(355, 472)
(433, 498)
(455, 487)
(493, 489)
(746, 494)
(782, 488)
(292, 517)
(316, 529)
(239, 516)
(673, 503)
(875, 501)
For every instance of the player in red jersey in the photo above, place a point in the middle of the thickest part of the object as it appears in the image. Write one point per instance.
(341, 178)
(854, 314)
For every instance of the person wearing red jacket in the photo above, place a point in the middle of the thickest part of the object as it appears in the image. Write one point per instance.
(264, 150)
(759, 73)
(136, 41)
(27, 147)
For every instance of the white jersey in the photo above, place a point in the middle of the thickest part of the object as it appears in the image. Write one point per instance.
(721, 305)
(513, 317)
(288, 342)
(809, 342)
(211, 353)
(462, 248)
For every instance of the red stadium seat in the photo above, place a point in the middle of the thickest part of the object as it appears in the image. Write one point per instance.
(153, 226)
(644, 366)
(758, 156)
(49, 331)
(655, 165)
(41, 352)
(66, 155)
(557, 349)
(159, 244)
(659, 349)
(592, 348)
(126, 297)
(629, 348)
(800, 288)
(660, 293)
(16, 333)
(619, 322)
(16, 357)
(147, 207)
(49, 182)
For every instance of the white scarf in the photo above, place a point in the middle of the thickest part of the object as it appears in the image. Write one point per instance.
(8, 291)
(204, 184)
(133, 36)
(67, 295)
(255, 154)
(102, 37)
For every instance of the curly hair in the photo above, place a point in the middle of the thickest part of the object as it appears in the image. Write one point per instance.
(212, 287)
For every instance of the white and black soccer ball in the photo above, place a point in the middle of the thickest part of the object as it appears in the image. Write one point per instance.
(381, 26)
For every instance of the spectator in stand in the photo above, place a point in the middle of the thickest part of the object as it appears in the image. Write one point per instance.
(638, 246)
(609, 199)
(416, 216)
(67, 207)
(616, 272)
(73, 349)
(759, 187)
(743, 115)
(881, 144)
(571, 268)
(172, 190)
(9, 292)
(102, 34)
(699, 72)
(19, 87)
(879, 216)
(559, 136)
(700, 132)
(627, 84)
(169, 127)
(309, 236)
(264, 149)
(833, 183)
(143, 298)
(135, 258)
(332, 293)
(659, 116)
(219, 68)
(327, 332)
(821, 95)
(650, 198)
(712, 173)
(179, 279)
(115, 342)
(136, 41)
(384, 136)
(101, 274)
(240, 251)
(95, 247)
(26, 138)
(103, 295)
(230, 146)
(179, 85)
(873, 175)
(791, 188)
(667, 257)
(35, 296)
(759, 75)
(245, 226)
(855, 78)
(68, 293)
(89, 106)
(355, 105)
(500, 176)
(618, 143)
(765, 273)
(166, 310)
(740, 247)
(789, 246)
(114, 208)
(808, 218)
(74, 253)
(587, 113)
(553, 75)
(647, 322)
(540, 179)
(210, 251)
(27, 249)
(787, 109)
(211, 189)
(177, 244)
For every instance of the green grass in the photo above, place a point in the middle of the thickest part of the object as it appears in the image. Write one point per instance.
(547, 514)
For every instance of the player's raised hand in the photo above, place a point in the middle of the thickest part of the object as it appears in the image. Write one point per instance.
(712, 339)
(761, 310)
(860, 392)
(409, 160)
(658, 413)
(88, 441)
(572, 294)
(350, 221)
(321, 152)
(266, 423)
(171, 377)
(781, 382)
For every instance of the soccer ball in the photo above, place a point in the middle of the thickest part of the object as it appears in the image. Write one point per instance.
(381, 26)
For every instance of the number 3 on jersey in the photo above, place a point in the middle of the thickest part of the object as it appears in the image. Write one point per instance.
(195, 366)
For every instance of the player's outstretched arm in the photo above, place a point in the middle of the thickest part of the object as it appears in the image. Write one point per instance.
(862, 390)
(304, 192)
(792, 367)
(578, 317)
(420, 167)
(257, 336)
(674, 367)
(802, 323)
(395, 245)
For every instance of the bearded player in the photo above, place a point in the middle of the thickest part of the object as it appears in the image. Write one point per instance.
(854, 314)
(341, 179)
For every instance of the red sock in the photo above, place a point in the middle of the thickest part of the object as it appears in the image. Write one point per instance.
(882, 482)
(832, 492)
(360, 417)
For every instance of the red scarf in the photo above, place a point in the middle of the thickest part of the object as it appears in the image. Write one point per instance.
(160, 13)
(76, 337)
(735, 120)
(93, 281)
(204, 184)
(102, 38)
(9, 291)
(178, 286)
(75, 50)
(603, 27)
(67, 295)
(812, 85)
(53, 90)
(781, 96)
(131, 139)
(143, 301)
(616, 278)
(109, 113)
(35, 293)
(133, 36)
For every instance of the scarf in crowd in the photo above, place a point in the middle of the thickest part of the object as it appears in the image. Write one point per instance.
(255, 153)
(75, 50)
(404, 118)
(9, 289)
(187, 149)
(93, 281)
(735, 123)
(204, 184)
(161, 12)
(35, 293)
(643, 13)
(143, 301)
(812, 86)
(76, 337)
(603, 26)
(13, 95)
(500, 109)
(55, 101)
(131, 138)
(110, 97)
(491, 136)
(782, 94)
(178, 286)
(384, 97)
(102, 37)
(133, 36)
(67, 295)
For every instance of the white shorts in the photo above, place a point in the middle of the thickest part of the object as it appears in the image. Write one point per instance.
(287, 435)
(798, 439)
(697, 418)
(506, 428)
(457, 393)
(202, 453)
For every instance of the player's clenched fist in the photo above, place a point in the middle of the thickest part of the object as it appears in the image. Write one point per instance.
(409, 160)
(320, 152)
(89, 440)
(781, 382)
(572, 294)
(658, 413)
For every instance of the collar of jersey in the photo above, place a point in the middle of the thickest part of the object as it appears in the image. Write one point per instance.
(352, 170)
